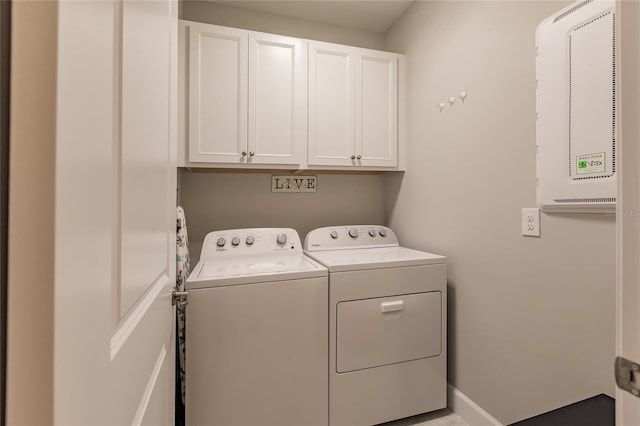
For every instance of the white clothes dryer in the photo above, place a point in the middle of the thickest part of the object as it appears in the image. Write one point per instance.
(256, 332)
(387, 325)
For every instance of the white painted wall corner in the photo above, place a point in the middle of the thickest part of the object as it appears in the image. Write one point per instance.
(468, 410)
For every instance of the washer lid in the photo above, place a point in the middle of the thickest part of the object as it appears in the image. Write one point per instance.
(373, 258)
(217, 273)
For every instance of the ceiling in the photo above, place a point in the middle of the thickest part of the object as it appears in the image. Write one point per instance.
(375, 16)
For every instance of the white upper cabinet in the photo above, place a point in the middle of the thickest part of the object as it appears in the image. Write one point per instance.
(247, 96)
(331, 104)
(353, 106)
(218, 86)
(376, 108)
(277, 99)
(244, 98)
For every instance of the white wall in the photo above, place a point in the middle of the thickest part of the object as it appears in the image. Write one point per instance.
(219, 14)
(215, 201)
(531, 320)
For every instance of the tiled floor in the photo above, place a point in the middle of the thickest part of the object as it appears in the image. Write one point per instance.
(444, 417)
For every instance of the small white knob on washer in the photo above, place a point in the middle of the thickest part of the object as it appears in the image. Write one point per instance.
(221, 242)
(334, 235)
(382, 232)
(372, 232)
(235, 241)
(281, 239)
(353, 232)
(249, 240)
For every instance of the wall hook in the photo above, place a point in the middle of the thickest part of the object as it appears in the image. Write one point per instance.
(452, 101)
(441, 106)
(462, 96)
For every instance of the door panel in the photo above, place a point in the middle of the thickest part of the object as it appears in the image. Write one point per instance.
(144, 151)
(147, 207)
(156, 410)
(331, 104)
(277, 99)
(217, 93)
(377, 108)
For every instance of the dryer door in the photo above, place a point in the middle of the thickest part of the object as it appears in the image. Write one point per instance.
(388, 330)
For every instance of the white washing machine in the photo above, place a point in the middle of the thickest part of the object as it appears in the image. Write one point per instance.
(256, 330)
(387, 325)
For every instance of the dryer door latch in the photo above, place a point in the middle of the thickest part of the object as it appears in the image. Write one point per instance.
(179, 298)
(628, 375)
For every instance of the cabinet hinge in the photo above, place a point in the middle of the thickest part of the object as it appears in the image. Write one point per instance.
(627, 373)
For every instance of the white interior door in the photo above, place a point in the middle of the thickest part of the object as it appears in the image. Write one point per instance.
(115, 213)
(628, 212)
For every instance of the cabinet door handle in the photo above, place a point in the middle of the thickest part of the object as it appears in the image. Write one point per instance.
(359, 157)
(353, 157)
(251, 154)
(244, 153)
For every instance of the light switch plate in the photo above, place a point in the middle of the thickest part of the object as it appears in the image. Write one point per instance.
(531, 222)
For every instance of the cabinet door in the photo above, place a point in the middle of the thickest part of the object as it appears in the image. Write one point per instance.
(376, 108)
(331, 104)
(217, 94)
(277, 99)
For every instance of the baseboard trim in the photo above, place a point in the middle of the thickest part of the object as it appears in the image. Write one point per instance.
(468, 410)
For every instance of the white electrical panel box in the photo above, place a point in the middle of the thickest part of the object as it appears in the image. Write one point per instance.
(576, 108)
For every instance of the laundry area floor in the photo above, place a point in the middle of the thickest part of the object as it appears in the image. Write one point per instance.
(444, 417)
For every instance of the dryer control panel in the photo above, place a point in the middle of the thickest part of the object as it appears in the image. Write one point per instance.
(234, 243)
(350, 237)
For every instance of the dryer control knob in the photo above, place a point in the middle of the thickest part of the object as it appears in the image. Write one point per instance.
(372, 232)
(382, 232)
(281, 239)
(235, 241)
(334, 235)
(353, 232)
(249, 240)
(221, 242)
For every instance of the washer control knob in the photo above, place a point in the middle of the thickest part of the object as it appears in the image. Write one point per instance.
(249, 240)
(334, 235)
(372, 232)
(221, 242)
(235, 241)
(281, 239)
(382, 232)
(353, 232)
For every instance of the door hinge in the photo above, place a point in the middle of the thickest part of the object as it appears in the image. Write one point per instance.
(627, 372)
(180, 298)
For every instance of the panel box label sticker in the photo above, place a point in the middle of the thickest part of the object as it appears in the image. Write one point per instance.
(281, 183)
(591, 163)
